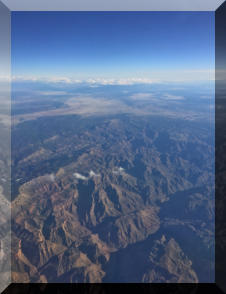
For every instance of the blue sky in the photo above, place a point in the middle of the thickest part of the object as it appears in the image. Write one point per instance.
(110, 45)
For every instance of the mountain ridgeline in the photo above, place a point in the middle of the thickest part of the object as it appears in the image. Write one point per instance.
(117, 198)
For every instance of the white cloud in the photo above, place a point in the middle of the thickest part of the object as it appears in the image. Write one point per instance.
(122, 81)
(65, 80)
(159, 77)
(118, 170)
(52, 93)
(93, 174)
(52, 177)
(80, 177)
(24, 79)
(92, 82)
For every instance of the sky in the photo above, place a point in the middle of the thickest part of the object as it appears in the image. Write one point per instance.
(152, 46)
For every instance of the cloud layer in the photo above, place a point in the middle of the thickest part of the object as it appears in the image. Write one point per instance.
(93, 81)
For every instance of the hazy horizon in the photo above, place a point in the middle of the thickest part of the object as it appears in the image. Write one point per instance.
(105, 46)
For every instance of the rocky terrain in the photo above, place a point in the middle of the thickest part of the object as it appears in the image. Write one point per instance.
(5, 208)
(117, 198)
